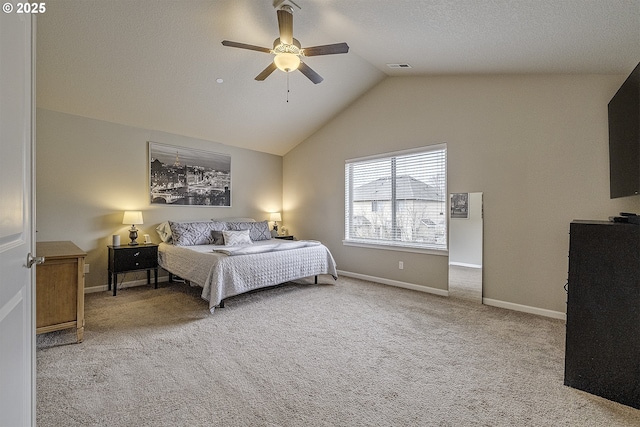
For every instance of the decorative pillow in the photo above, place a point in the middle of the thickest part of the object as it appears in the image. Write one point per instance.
(164, 231)
(218, 237)
(194, 233)
(235, 237)
(257, 230)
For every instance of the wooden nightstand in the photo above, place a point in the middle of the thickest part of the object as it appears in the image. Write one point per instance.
(126, 258)
(60, 288)
(284, 237)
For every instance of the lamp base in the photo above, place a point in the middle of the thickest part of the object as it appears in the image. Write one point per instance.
(133, 235)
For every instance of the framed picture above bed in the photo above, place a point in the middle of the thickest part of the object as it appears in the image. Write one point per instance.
(184, 176)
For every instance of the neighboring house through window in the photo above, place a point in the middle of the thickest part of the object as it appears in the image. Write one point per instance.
(398, 199)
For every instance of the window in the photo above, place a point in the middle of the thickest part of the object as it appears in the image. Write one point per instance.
(398, 199)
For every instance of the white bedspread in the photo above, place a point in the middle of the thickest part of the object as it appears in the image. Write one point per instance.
(222, 276)
(271, 247)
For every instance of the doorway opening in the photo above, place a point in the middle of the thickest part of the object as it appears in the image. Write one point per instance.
(465, 246)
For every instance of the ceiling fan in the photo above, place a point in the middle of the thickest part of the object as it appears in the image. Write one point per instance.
(287, 49)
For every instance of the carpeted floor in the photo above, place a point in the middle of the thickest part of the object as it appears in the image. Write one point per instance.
(345, 353)
(465, 283)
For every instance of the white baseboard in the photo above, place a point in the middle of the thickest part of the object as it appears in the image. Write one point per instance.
(445, 293)
(525, 308)
(124, 285)
(464, 264)
(396, 283)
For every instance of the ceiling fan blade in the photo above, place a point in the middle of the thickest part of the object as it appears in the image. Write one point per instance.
(327, 49)
(285, 24)
(266, 72)
(245, 46)
(311, 75)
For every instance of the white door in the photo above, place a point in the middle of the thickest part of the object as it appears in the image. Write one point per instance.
(17, 329)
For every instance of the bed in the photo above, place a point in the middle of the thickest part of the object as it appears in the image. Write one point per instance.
(224, 267)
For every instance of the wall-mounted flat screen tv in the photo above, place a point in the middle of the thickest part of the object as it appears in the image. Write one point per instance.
(624, 138)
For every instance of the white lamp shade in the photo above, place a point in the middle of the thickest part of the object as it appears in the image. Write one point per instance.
(132, 217)
(287, 62)
(275, 216)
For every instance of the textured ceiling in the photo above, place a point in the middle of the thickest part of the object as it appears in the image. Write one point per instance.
(154, 63)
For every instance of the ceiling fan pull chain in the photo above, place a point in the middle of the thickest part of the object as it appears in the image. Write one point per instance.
(287, 87)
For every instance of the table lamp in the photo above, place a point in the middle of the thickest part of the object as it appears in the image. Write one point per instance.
(275, 217)
(133, 218)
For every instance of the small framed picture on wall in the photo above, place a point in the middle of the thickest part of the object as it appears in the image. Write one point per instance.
(459, 205)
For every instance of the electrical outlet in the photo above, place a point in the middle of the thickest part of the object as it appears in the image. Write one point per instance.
(401, 265)
(86, 268)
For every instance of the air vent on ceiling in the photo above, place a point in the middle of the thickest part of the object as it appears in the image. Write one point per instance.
(398, 65)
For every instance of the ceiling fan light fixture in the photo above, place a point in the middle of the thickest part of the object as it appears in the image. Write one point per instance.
(286, 62)
(287, 50)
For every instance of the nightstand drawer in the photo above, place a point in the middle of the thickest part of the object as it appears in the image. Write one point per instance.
(139, 258)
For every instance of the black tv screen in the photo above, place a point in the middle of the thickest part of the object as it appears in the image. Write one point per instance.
(624, 138)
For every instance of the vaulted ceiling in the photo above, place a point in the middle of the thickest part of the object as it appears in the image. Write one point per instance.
(160, 64)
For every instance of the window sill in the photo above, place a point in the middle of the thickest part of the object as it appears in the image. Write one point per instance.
(439, 252)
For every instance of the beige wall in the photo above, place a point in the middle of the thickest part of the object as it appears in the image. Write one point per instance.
(89, 171)
(536, 146)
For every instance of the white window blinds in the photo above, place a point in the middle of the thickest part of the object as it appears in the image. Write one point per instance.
(398, 199)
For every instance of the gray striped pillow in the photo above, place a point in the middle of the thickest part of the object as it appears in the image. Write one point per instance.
(239, 237)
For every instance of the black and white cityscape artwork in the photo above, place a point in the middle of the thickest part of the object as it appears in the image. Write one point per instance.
(184, 176)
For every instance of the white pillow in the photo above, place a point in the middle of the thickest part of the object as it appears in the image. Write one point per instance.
(164, 231)
(236, 237)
